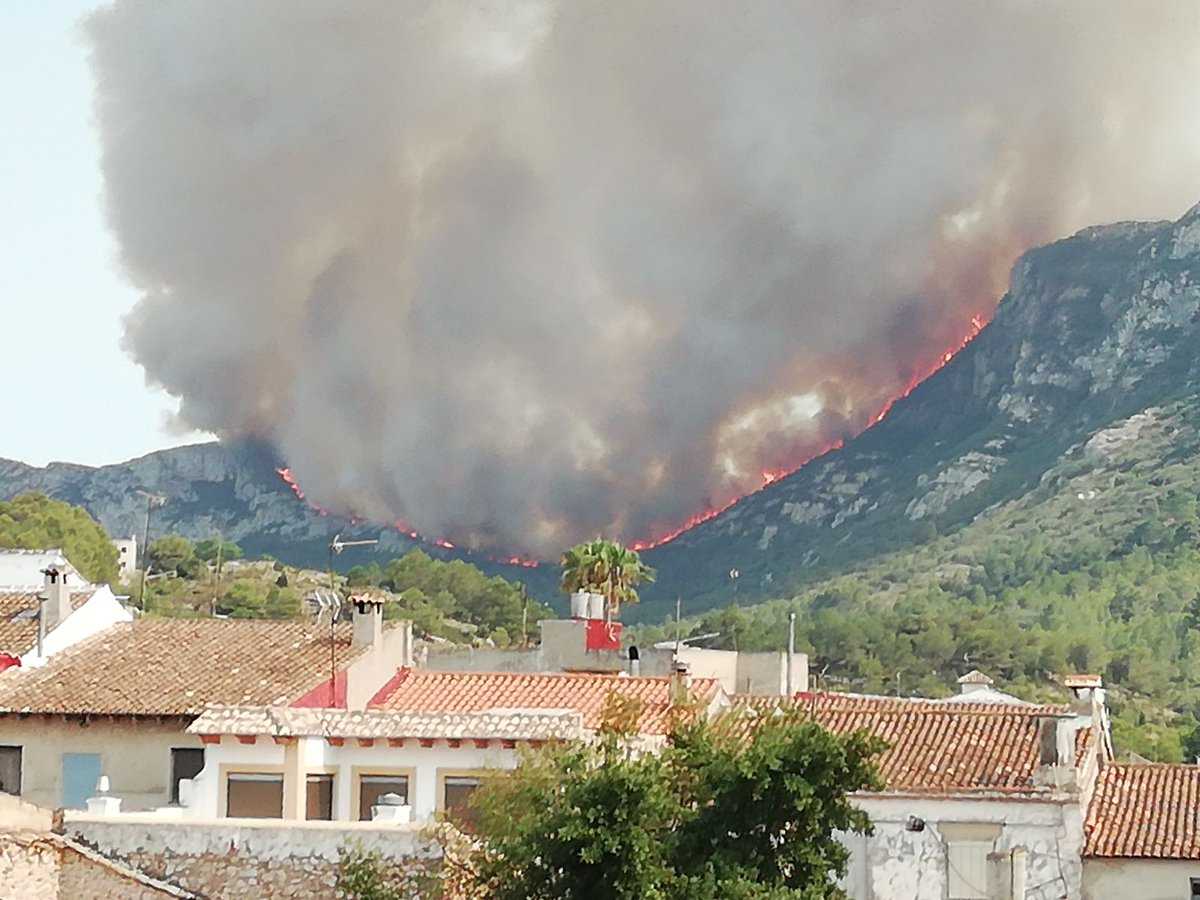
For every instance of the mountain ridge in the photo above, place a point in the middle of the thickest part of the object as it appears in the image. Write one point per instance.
(1093, 329)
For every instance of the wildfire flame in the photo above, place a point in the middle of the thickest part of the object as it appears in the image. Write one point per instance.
(769, 476)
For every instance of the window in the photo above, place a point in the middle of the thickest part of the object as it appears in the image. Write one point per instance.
(1195, 888)
(968, 858)
(254, 796)
(80, 774)
(968, 864)
(10, 770)
(372, 787)
(319, 802)
(456, 792)
(186, 762)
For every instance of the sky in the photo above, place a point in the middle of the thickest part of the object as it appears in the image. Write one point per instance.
(72, 392)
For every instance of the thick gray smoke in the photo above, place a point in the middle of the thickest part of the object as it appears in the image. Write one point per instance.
(522, 272)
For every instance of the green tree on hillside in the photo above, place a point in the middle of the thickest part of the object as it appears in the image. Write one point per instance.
(605, 567)
(35, 522)
(173, 553)
(210, 548)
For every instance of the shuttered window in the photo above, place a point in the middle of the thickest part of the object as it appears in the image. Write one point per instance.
(968, 869)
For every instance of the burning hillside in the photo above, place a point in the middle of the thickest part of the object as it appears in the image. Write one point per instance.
(518, 273)
(768, 477)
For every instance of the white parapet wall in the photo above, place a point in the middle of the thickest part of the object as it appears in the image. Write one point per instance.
(131, 835)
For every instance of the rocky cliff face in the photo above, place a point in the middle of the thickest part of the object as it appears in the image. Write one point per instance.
(209, 489)
(1095, 330)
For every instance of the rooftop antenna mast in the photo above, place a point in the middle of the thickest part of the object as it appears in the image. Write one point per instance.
(330, 601)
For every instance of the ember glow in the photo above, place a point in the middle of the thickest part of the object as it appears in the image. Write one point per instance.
(977, 323)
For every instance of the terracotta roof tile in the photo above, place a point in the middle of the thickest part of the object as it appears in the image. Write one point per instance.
(937, 747)
(177, 667)
(18, 618)
(1145, 810)
(415, 690)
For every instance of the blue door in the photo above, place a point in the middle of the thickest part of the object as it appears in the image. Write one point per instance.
(80, 772)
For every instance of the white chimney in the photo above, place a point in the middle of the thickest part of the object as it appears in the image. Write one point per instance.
(368, 620)
(56, 596)
(974, 682)
(681, 681)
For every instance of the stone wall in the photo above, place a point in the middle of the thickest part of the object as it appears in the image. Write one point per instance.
(43, 866)
(29, 867)
(226, 859)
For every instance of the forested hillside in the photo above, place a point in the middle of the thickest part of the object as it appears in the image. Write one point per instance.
(1095, 570)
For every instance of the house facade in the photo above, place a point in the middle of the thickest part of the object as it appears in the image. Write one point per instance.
(47, 606)
(589, 643)
(427, 737)
(119, 703)
(983, 799)
(1143, 833)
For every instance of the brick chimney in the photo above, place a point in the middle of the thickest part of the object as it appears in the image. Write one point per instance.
(368, 620)
(56, 595)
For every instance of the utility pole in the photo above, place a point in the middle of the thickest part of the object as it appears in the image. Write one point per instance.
(152, 500)
(217, 585)
(678, 625)
(524, 617)
(791, 651)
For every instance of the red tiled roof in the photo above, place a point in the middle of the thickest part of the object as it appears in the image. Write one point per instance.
(417, 690)
(174, 667)
(938, 747)
(1145, 810)
(18, 618)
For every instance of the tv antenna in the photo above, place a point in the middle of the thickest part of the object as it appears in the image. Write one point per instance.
(329, 602)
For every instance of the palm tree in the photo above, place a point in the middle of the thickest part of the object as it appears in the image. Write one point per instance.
(605, 567)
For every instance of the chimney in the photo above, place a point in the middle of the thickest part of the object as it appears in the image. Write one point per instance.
(368, 620)
(681, 681)
(1087, 692)
(974, 682)
(55, 597)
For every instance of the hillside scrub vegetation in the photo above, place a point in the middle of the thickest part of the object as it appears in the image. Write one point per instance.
(453, 601)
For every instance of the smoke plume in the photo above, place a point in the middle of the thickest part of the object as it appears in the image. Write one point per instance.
(523, 272)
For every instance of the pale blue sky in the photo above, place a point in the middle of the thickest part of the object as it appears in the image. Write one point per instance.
(71, 393)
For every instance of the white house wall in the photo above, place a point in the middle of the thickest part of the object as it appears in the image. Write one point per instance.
(101, 611)
(321, 756)
(1145, 879)
(897, 864)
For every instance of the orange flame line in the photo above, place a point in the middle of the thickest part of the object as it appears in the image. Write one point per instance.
(768, 476)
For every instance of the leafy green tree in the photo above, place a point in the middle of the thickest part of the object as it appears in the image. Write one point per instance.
(605, 567)
(730, 810)
(246, 599)
(367, 875)
(210, 548)
(35, 522)
(171, 553)
(282, 603)
(436, 594)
